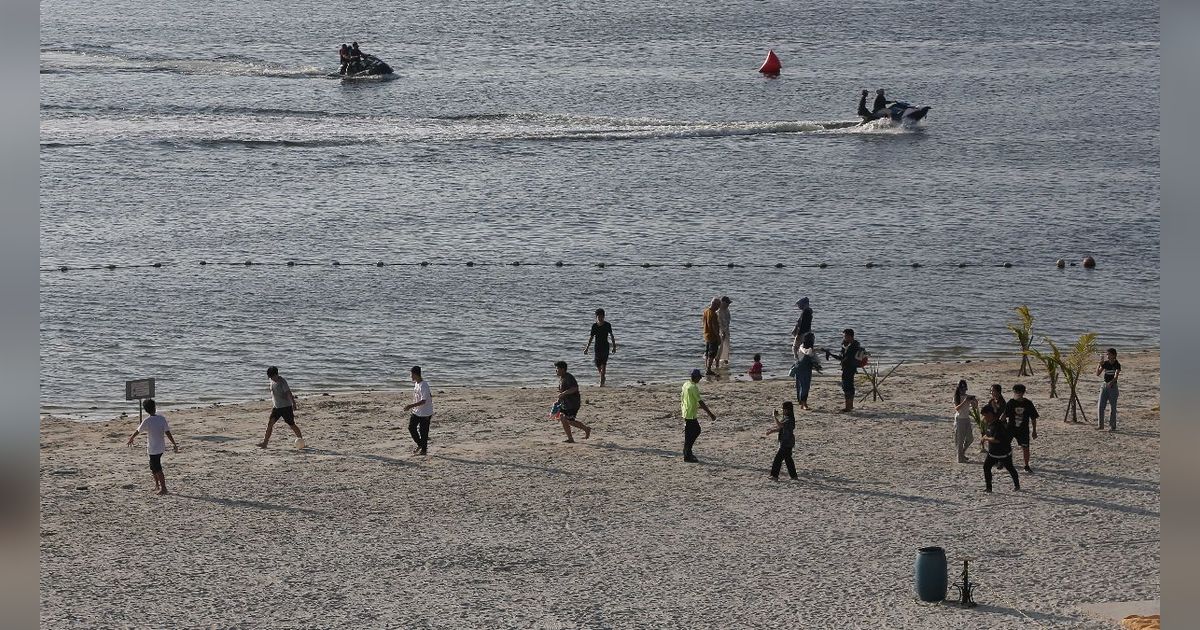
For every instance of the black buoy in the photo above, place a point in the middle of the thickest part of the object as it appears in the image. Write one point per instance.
(822, 265)
(687, 265)
(961, 265)
(157, 265)
(110, 267)
(645, 265)
(1089, 262)
(870, 265)
(336, 263)
(1060, 263)
(63, 268)
(249, 262)
(779, 265)
(203, 262)
(600, 265)
(516, 263)
(379, 264)
(424, 263)
(291, 263)
(730, 265)
(470, 263)
(1008, 265)
(558, 264)
(916, 265)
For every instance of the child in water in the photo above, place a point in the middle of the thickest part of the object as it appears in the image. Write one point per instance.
(756, 368)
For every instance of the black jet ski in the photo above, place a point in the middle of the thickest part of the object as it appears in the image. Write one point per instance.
(366, 66)
(893, 111)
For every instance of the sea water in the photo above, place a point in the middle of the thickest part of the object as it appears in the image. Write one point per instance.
(621, 133)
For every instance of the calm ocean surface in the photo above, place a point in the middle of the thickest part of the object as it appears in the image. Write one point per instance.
(620, 132)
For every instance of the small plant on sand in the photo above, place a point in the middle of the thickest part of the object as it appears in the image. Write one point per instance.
(1050, 361)
(1024, 333)
(1072, 366)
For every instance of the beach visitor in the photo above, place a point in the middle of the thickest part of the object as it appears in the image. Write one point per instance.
(712, 335)
(756, 368)
(802, 370)
(601, 333)
(1022, 417)
(785, 426)
(569, 402)
(155, 427)
(1110, 367)
(996, 400)
(803, 325)
(849, 359)
(723, 321)
(964, 435)
(997, 439)
(690, 405)
(422, 411)
(283, 406)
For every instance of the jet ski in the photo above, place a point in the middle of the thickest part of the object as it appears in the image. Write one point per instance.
(366, 66)
(897, 112)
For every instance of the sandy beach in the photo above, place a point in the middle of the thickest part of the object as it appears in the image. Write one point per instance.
(504, 526)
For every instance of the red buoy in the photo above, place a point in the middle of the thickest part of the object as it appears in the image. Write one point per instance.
(771, 65)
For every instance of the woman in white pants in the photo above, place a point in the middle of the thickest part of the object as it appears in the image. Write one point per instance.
(964, 434)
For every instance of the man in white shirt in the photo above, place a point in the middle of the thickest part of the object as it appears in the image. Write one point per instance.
(155, 427)
(422, 411)
(283, 405)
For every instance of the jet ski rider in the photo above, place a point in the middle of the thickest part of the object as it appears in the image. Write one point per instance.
(344, 58)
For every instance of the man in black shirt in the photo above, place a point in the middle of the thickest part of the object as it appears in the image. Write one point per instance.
(601, 332)
(1022, 417)
(849, 361)
(997, 437)
(1111, 368)
(569, 402)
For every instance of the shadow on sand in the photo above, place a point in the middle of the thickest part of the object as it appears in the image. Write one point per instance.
(256, 505)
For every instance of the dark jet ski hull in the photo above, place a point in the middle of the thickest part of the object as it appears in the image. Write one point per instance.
(898, 112)
(367, 66)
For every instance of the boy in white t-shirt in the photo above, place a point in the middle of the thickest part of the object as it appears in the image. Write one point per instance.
(422, 411)
(155, 427)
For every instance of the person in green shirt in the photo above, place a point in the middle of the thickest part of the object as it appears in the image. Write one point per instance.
(690, 405)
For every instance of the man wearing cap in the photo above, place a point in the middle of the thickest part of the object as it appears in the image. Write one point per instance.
(803, 325)
(690, 405)
(849, 359)
(723, 323)
(712, 335)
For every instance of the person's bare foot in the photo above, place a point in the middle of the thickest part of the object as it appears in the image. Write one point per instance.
(163, 491)
(569, 441)
(587, 432)
(262, 445)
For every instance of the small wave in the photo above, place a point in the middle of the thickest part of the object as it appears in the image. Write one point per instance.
(76, 58)
(254, 142)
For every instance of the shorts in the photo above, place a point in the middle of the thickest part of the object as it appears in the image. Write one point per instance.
(568, 414)
(156, 463)
(601, 357)
(712, 349)
(1021, 432)
(285, 413)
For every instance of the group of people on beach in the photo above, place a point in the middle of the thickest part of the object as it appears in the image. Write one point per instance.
(1000, 421)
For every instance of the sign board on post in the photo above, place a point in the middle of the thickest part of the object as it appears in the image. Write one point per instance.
(139, 389)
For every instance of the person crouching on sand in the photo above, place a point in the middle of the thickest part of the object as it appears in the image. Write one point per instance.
(155, 427)
(997, 437)
(785, 426)
(690, 405)
(569, 402)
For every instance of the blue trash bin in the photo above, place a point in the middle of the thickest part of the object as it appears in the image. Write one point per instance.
(930, 574)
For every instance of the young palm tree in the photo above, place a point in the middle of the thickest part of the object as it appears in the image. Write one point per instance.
(1050, 361)
(1072, 367)
(1024, 333)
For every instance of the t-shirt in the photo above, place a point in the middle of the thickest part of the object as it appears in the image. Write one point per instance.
(998, 406)
(850, 356)
(1003, 438)
(756, 368)
(570, 402)
(804, 324)
(601, 333)
(1020, 412)
(723, 320)
(421, 392)
(1110, 369)
(689, 400)
(280, 393)
(155, 427)
(712, 325)
(787, 430)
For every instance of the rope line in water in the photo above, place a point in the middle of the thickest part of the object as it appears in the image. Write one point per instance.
(598, 265)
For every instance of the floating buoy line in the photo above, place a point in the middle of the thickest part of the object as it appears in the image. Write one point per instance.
(1088, 263)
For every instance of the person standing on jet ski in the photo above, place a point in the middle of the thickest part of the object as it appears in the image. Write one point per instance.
(355, 53)
(344, 58)
(880, 103)
(863, 112)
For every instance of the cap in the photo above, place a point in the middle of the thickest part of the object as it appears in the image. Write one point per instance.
(696, 373)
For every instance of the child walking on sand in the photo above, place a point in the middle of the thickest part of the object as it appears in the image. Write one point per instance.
(155, 427)
(786, 428)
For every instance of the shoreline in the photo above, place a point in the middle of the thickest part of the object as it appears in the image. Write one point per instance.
(589, 374)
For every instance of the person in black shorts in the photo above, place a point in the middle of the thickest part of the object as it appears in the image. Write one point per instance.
(283, 406)
(1022, 417)
(997, 439)
(601, 333)
(569, 402)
